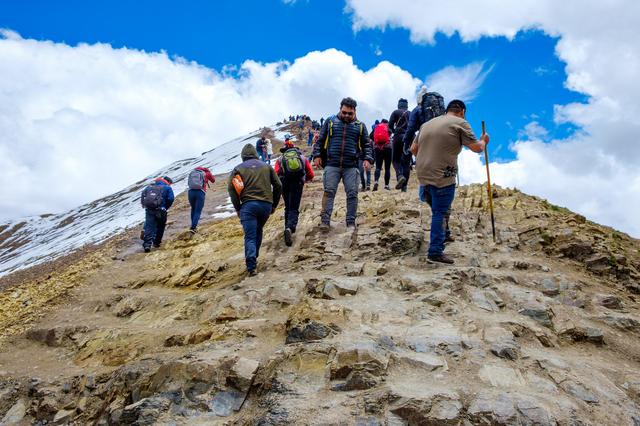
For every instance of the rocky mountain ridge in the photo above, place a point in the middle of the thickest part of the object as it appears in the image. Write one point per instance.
(539, 328)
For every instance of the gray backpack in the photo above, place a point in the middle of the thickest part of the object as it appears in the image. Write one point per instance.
(196, 179)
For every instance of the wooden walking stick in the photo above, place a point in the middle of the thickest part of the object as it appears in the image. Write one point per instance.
(486, 162)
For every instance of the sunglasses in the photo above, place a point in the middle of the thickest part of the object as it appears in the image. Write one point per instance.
(347, 113)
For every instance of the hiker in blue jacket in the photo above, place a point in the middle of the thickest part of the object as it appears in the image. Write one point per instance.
(156, 199)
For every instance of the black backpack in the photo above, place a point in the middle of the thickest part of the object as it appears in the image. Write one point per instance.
(153, 196)
(432, 106)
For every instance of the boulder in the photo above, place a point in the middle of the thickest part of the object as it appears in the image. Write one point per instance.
(579, 391)
(494, 410)
(439, 409)
(609, 301)
(242, 373)
(144, 412)
(16, 413)
(308, 331)
(356, 355)
(537, 312)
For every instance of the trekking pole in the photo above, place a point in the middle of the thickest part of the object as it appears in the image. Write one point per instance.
(486, 162)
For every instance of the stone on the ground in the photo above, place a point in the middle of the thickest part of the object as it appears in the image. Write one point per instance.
(424, 361)
(242, 373)
(16, 413)
(492, 410)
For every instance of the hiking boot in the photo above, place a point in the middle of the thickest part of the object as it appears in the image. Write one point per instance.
(401, 182)
(252, 273)
(325, 227)
(404, 189)
(287, 237)
(387, 187)
(362, 188)
(193, 230)
(147, 249)
(156, 245)
(368, 188)
(442, 258)
(375, 186)
(351, 226)
(449, 239)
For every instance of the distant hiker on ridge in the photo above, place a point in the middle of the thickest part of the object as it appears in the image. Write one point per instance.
(382, 152)
(343, 140)
(398, 126)
(156, 199)
(269, 147)
(254, 189)
(436, 149)
(198, 181)
(261, 148)
(294, 169)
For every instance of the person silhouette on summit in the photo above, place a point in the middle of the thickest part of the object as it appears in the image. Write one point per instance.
(342, 141)
(156, 199)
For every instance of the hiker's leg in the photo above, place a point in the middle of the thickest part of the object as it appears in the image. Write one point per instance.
(161, 222)
(368, 172)
(263, 213)
(249, 221)
(330, 179)
(447, 231)
(424, 195)
(191, 195)
(387, 165)
(396, 155)
(406, 167)
(294, 207)
(149, 228)
(441, 199)
(199, 205)
(350, 182)
(361, 171)
(379, 160)
(286, 196)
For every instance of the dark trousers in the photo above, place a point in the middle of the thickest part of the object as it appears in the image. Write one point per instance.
(196, 199)
(253, 216)
(364, 173)
(154, 223)
(383, 156)
(292, 195)
(441, 200)
(396, 155)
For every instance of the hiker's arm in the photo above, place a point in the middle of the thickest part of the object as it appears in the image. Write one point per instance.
(324, 131)
(392, 122)
(367, 150)
(233, 195)
(170, 198)
(276, 167)
(309, 175)
(411, 128)
(277, 189)
(210, 177)
(414, 147)
(468, 138)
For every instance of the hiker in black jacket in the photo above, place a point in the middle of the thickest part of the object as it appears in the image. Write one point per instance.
(398, 126)
(343, 140)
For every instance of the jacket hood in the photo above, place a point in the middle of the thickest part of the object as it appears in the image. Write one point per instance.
(248, 152)
(403, 104)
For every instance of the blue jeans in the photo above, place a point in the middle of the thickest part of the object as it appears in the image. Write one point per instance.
(253, 216)
(331, 179)
(425, 197)
(196, 199)
(154, 223)
(441, 200)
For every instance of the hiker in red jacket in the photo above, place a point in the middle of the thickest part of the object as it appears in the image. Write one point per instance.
(293, 169)
(382, 150)
(198, 181)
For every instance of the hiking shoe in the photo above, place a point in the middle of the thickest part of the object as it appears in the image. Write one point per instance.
(404, 189)
(287, 237)
(293, 230)
(442, 258)
(252, 273)
(362, 188)
(325, 227)
(375, 186)
(368, 188)
(147, 249)
(156, 245)
(387, 187)
(193, 230)
(401, 182)
(449, 239)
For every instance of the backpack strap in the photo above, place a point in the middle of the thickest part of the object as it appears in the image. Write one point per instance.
(360, 137)
(329, 134)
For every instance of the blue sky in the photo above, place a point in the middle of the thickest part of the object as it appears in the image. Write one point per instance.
(525, 81)
(559, 114)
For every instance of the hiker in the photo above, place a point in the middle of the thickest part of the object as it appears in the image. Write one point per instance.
(321, 121)
(398, 125)
(261, 148)
(310, 138)
(382, 152)
(436, 149)
(430, 105)
(343, 140)
(198, 181)
(269, 148)
(254, 189)
(156, 199)
(365, 174)
(293, 169)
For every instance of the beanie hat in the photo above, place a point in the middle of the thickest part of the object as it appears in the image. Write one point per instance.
(403, 103)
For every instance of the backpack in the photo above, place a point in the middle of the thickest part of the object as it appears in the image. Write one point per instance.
(381, 134)
(153, 196)
(432, 106)
(401, 126)
(292, 163)
(196, 179)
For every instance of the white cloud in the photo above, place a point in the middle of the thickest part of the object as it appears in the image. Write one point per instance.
(459, 83)
(597, 170)
(80, 122)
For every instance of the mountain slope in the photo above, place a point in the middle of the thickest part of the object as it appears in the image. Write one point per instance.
(32, 241)
(540, 328)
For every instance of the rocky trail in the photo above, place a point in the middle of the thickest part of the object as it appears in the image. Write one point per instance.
(540, 328)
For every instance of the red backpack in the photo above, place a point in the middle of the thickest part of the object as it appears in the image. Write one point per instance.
(381, 134)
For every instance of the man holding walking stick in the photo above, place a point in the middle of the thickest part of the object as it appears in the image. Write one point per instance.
(436, 149)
